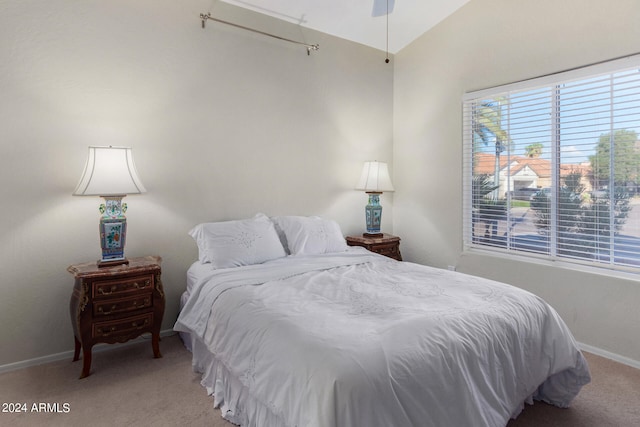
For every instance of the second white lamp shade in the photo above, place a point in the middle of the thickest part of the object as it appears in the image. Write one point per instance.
(375, 178)
(109, 171)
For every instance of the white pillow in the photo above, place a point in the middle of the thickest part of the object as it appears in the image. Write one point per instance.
(237, 243)
(311, 235)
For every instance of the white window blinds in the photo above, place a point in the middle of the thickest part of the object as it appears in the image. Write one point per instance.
(552, 166)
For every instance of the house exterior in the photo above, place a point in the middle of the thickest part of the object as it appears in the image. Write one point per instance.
(517, 172)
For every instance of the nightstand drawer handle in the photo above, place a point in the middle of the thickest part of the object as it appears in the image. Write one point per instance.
(106, 332)
(145, 285)
(145, 303)
(140, 325)
(101, 290)
(113, 307)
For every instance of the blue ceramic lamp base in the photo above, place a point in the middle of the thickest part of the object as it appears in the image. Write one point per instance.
(113, 231)
(373, 212)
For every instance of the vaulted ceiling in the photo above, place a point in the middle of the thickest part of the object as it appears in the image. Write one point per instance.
(353, 20)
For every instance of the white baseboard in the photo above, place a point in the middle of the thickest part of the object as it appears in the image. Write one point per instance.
(608, 355)
(69, 354)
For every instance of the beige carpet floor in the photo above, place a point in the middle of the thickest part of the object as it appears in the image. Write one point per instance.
(128, 387)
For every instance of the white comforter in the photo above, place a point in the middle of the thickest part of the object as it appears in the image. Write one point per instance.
(360, 340)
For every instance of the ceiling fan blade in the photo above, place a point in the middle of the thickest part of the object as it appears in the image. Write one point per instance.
(380, 7)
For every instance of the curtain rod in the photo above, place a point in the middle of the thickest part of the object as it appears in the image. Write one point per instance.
(309, 47)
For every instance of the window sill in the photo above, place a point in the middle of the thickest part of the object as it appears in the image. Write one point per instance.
(531, 258)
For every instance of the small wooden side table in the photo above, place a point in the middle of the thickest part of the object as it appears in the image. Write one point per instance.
(387, 245)
(116, 304)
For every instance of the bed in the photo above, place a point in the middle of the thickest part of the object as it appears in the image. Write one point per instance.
(290, 327)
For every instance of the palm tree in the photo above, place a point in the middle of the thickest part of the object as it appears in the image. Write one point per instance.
(487, 128)
(534, 150)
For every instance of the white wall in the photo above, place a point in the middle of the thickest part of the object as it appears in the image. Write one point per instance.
(223, 123)
(488, 43)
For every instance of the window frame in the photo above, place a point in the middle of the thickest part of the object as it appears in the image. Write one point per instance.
(552, 82)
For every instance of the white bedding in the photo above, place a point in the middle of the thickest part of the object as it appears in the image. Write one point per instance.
(356, 339)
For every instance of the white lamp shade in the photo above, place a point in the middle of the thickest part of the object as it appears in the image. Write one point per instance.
(109, 171)
(375, 178)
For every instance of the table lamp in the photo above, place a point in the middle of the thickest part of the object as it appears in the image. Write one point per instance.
(374, 181)
(110, 173)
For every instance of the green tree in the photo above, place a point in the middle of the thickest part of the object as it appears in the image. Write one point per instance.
(626, 159)
(569, 209)
(598, 213)
(581, 226)
(534, 151)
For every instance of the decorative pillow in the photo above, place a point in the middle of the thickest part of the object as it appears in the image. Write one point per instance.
(236, 243)
(311, 235)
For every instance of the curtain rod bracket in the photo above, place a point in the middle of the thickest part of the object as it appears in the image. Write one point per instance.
(309, 47)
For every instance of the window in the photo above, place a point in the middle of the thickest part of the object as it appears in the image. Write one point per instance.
(552, 166)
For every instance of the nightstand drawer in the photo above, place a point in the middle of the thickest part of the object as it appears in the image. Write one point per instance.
(122, 287)
(391, 251)
(122, 327)
(122, 305)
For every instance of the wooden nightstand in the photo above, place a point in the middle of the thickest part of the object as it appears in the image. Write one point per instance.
(386, 245)
(116, 304)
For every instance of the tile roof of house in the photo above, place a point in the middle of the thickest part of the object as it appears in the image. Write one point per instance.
(484, 163)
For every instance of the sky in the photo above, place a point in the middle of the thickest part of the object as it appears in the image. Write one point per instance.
(580, 111)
